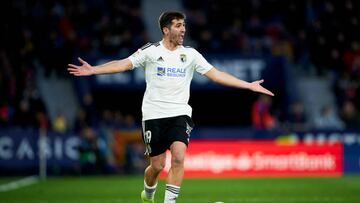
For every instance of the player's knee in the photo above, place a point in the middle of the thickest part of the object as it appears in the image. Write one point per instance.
(158, 166)
(177, 161)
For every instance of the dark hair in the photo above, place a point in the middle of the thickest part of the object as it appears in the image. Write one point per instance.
(167, 17)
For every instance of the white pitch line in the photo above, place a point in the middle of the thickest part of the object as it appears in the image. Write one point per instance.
(19, 183)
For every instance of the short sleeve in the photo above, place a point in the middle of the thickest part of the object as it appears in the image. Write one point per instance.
(138, 59)
(201, 65)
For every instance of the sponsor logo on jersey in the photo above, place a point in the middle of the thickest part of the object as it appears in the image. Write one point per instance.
(160, 71)
(171, 72)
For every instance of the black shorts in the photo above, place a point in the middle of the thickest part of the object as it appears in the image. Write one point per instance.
(159, 134)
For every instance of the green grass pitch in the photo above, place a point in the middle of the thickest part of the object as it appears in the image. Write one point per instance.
(119, 189)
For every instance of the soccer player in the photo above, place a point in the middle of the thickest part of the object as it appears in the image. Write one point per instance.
(169, 68)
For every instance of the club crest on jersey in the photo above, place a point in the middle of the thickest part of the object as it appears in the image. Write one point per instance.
(160, 71)
(183, 58)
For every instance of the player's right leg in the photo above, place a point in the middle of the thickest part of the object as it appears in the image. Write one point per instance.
(156, 150)
(157, 164)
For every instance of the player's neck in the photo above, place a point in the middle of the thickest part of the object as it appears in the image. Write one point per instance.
(169, 45)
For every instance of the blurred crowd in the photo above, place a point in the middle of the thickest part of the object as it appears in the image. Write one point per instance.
(50, 34)
(314, 33)
(321, 36)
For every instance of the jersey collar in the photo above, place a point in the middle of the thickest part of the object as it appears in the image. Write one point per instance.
(177, 48)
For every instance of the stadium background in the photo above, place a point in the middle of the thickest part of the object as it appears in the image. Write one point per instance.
(308, 52)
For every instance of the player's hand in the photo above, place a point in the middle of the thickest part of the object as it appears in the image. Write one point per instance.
(84, 69)
(256, 87)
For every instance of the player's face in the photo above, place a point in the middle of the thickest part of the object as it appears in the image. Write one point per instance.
(177, 31)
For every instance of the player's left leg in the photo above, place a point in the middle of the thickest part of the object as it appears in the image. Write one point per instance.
(176, 172)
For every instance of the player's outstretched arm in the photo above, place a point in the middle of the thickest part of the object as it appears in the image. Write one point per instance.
(226, 79)
(86, 69)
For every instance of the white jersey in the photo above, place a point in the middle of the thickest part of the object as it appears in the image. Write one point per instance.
(168, 76)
